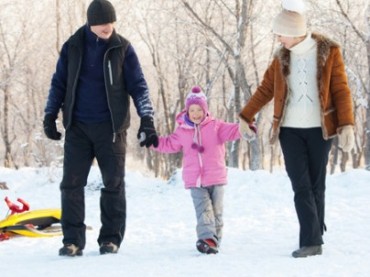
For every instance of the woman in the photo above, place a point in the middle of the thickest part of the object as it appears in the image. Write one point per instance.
(312, 104)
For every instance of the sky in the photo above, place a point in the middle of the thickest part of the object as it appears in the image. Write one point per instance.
(260, 228)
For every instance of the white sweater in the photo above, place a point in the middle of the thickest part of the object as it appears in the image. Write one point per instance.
(303, 106)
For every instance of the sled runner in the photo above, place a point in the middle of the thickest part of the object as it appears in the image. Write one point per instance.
(22, 221)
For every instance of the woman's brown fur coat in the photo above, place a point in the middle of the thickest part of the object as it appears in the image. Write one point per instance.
(335, 96)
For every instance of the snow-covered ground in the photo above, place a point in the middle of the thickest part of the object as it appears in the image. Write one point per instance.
(260, 232)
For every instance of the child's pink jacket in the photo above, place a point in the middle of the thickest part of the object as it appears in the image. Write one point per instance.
(201, 168)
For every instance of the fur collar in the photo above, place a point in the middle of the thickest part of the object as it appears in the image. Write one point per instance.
(323, 50)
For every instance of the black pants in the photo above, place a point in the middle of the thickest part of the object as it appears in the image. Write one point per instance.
(306, 157)
(83, 143)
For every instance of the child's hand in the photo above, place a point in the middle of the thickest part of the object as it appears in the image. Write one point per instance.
(247, 131)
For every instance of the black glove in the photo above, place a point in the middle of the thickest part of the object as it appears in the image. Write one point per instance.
(50, 127)
(147, 134)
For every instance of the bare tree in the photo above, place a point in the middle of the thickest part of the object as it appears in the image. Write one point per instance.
(224, 46)
(365, 39)
(9, 67)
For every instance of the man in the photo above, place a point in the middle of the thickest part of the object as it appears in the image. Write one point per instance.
(96, 73)
(312, 104)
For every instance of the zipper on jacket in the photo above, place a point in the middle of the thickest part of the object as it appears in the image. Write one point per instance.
(110, 73)
(107, 89)
(74, 91)
(199, 140)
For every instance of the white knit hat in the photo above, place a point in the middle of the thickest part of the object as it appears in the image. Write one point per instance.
(291, 21)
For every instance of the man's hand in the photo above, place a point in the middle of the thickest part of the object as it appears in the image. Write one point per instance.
(147, 135)
(50, 127)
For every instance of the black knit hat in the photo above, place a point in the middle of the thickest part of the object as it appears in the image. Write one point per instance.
(100, 12)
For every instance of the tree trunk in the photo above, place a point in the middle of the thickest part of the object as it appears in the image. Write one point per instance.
(5, 130)
(367, 129)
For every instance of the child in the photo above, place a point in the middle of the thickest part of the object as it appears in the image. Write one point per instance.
(202, 139)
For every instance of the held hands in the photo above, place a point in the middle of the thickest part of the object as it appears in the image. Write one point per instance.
(50, 127)
(147, 135)
(248, 131)
(346, 138)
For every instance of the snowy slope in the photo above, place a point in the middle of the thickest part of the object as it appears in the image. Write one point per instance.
(260, 232)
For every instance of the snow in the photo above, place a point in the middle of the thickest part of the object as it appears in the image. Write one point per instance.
(260, 232)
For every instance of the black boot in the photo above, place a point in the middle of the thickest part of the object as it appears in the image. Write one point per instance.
(306, 251)
(207, 246)
(108, 248)
(70, 250)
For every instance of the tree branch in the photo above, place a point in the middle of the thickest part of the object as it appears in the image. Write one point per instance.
(357, 31)
(213, 31)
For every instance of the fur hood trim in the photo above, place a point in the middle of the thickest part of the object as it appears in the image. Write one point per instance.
(323, 50)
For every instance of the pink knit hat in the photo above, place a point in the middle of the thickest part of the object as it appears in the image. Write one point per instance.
(196, 96)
